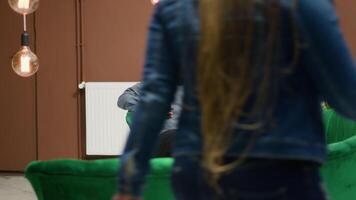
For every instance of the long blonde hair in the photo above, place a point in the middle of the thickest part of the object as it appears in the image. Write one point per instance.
(230, 61)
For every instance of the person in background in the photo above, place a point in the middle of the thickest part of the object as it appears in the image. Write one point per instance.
(131, 96)
(254, 73)
(128, 101)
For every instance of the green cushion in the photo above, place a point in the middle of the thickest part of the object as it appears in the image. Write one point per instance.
(93, 180)
(337, 128)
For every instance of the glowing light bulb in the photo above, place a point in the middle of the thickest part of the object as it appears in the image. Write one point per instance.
(154, 2)
(24, 6)
(25, 63)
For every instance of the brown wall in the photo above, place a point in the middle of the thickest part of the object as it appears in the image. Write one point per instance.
(346, 11)
(114, 39)
(42, 117)
(82, 41)
(17, 98)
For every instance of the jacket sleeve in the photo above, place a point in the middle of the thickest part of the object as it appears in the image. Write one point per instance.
(327, 57)
(159, 85)
(129, 99)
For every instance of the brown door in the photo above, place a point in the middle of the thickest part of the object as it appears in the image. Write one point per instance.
(57, 96)
(17, 103)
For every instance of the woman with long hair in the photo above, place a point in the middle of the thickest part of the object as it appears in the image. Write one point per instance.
(254, 73)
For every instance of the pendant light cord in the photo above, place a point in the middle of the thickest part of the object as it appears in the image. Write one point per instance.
(24, 23)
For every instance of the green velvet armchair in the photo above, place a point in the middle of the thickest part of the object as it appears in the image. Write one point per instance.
(96, 180)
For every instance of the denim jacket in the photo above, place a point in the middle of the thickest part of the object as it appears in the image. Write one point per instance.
(325, 71)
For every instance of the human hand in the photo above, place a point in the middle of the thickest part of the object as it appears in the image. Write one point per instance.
(170, 115)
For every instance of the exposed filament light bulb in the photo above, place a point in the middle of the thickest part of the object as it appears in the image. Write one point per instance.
(24, 7)
(25, 63)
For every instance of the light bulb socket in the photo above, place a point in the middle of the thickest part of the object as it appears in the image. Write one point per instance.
(25, 39)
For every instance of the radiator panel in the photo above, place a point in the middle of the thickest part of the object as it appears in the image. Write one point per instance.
(106, 128)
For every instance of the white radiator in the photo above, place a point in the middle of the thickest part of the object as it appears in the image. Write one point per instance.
(106, 128)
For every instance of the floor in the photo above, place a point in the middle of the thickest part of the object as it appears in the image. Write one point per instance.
(15, 187)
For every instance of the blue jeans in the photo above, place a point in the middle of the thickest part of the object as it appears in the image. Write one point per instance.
(255, 179)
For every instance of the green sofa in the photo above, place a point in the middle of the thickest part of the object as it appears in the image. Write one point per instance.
(93, 180)
(339, 172)
(96, 180)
